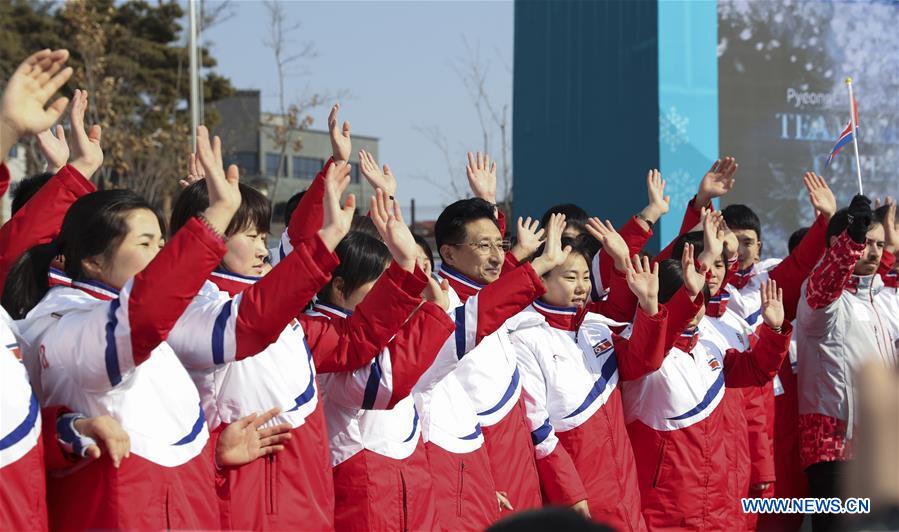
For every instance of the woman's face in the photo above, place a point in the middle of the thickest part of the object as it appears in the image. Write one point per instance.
(717, 275)
(139, 246)
(247, 253)
(568, 284)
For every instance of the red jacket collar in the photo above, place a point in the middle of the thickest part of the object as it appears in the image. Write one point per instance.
(231, 282)
(463, 286)
(57, 277)
(687, 339)
(331, 311)
(717, 305)
(741, 277)
(564, 318)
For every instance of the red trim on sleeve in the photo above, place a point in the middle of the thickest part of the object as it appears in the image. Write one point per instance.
(827, 280)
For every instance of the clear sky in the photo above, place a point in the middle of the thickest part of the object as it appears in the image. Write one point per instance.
(396, 60)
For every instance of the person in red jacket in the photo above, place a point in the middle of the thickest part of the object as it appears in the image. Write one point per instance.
(675, 414)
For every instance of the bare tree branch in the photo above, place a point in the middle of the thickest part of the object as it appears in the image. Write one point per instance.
(435, 136)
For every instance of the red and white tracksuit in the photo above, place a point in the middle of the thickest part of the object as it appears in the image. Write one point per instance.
(100, 351)
(676, 422)
(381, 475)
(571, 363)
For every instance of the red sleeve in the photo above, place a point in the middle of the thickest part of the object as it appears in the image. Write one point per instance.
(349, 344)
(559, 480)
(506, 297)
(692, 217)
(269, 305)
(501, 221)
(307, 218)
(793, 270)
(4, 178)
(39, 220)
(54, 457)
(415, 346)
(887, 263)
(732, 267)
(757, 366)
(827, 280)
(634, 236)
(161, 292)
(681, 311)
(621, 303)
(645, 350)
(510, 263)
(760, 449)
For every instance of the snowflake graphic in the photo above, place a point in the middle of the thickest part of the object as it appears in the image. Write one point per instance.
(673, 129)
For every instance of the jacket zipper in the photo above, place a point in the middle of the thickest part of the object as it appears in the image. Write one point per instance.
(270, 483)
(655, 478)
(459, 494)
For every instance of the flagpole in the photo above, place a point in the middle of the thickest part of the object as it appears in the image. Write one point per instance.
(194, 78)
(858, 164)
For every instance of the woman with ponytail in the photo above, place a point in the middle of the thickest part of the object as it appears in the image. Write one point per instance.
(96, 332)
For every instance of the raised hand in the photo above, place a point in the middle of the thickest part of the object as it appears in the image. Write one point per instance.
(54, 148)
(23, 105)
(772, 304)
(713, 239)
(659, 203)
(195, 172)
(388, 219)
(729, 239)
(108, 434)
(337, 219)
(819, 194)
(379, 179)
(718, 181)
(87, 155)
(481, 174)
(223, 186)
(694, 279)
(529, 238)
(437, 292)
(643, 281)
(612, 242)
(890, 232)
(553, 254)
(244, 441)
(341, 144)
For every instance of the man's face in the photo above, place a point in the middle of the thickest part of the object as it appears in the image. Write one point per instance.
(750, 248)
(870, 259)
(480, 255)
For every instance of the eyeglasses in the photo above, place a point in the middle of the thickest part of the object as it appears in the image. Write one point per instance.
(485, 247)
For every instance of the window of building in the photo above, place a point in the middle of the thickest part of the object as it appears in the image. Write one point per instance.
(247, 161)
(306, 167)
(271, 164)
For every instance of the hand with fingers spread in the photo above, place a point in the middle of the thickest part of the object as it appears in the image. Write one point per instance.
(244, 441)
(481, 172)
(87, 154)
(713, 239)
(694, 279)
(612, 242)
(772, 304)
(379, 179)
(502, 498)
(337, 219)
(729, 239)
(109, 435)
(195, 172)
(643, 281)
(53, 146)
(819, 194)
(553, 254)
(437, 292)
(23, 105)
(388, 220)
(341, 144)
(529, 239)
(223, 186)
(717, 182)
(659, 203)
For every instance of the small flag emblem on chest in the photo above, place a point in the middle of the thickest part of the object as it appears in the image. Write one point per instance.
(602, 347)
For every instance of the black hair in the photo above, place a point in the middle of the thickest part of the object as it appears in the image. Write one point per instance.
(574, 216)
(579, 246)
(796, 238)
(880, 214)
(93, 226)
(739, 216)
(255, 209)
(363, 259)
(26, 188)
(291, 206)
(693, 237)
(364, 224)
(671, 279)
(423, 244)
(450, 226)
(550, 518)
